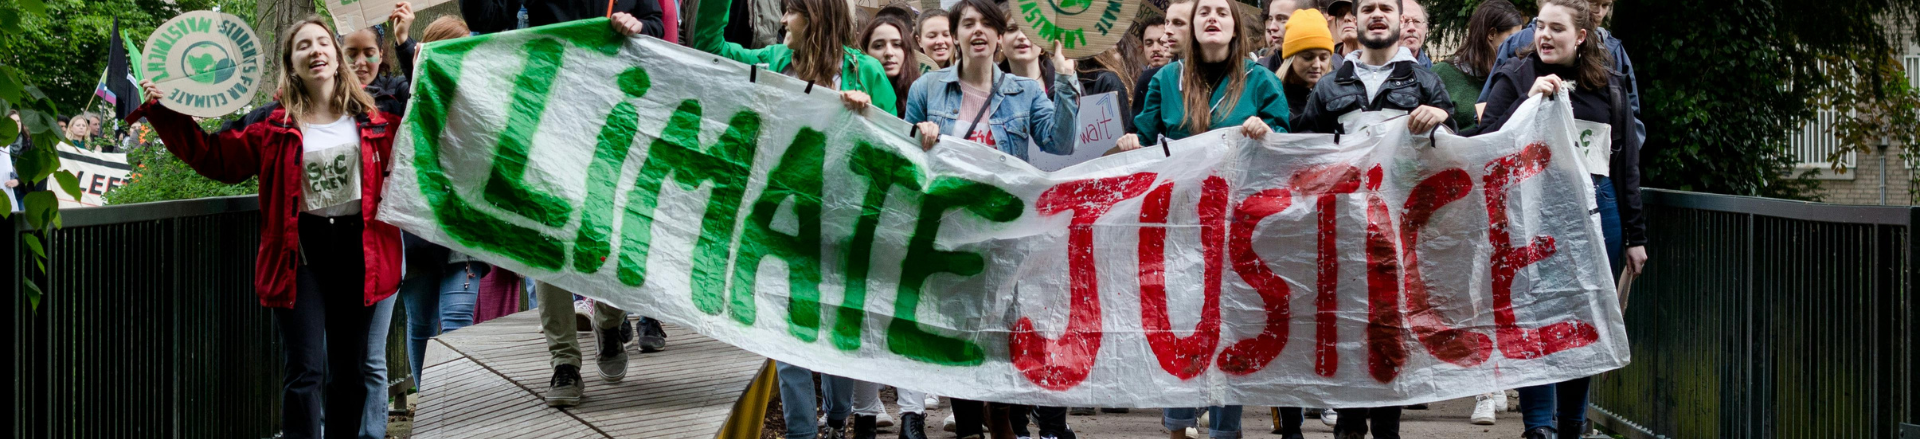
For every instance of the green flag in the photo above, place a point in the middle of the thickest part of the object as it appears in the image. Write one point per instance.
(133, 57)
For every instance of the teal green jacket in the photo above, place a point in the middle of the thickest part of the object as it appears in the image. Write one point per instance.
(857, 70)
(1163, 115)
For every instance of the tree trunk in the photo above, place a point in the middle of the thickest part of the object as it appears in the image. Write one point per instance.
(272, 17)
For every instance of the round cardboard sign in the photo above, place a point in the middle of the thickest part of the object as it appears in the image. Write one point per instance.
(206, 63)
(926, 63)
(1082, 27)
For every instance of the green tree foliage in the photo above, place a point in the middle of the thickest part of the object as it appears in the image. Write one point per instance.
(1724, 83)
(1880, 107)
(38, 161)
(159, 176)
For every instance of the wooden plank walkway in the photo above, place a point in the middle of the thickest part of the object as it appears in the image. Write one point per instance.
(486, 380)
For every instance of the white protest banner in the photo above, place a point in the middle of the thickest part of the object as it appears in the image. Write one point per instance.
(1099, 129)
(7, 173)
(99, 173)
(1385, 270)
(353, 15)
(206, 63)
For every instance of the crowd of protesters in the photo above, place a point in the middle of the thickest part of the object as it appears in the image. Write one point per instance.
(331, 272)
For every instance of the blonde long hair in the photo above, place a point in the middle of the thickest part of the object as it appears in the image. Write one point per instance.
(347, 95)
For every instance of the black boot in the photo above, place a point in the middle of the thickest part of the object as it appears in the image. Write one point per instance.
(864, 427)
(1572, 430)
(1539, 433)
(833, 430)
(913, 426)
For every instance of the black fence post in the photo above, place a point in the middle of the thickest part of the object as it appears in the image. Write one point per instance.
(149, 326)
(1763, 318)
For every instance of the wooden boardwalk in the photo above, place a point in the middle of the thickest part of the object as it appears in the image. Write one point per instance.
(486, 380)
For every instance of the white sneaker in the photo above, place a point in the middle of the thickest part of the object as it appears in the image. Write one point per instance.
(1504, 403)
(1499, 401)
(1483, 408)
(947, 425)
(883, 419)
(583, 315)
(932, 402)
(1329, 417)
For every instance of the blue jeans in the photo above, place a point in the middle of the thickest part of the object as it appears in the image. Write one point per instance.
(374, 425)
(796, 399)
(1540, 404)
(1225, 420)
(437, 304)
(1603, 194)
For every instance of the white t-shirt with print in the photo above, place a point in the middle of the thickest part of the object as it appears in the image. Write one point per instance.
(330, 168)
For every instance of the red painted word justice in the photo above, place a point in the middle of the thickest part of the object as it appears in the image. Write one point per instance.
(1226, 232)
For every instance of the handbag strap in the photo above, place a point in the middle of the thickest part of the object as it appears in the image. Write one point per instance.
(992, 90)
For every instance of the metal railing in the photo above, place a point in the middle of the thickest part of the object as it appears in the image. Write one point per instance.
(1762, 318)
(150, 326)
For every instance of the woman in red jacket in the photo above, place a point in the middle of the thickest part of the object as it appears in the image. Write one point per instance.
(322, 154)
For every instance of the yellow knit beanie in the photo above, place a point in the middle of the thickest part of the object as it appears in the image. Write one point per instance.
(1307, 29)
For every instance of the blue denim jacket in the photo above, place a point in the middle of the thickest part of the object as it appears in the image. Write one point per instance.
(1021, 111)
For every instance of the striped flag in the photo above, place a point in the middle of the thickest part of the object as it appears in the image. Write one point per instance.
(103, 92)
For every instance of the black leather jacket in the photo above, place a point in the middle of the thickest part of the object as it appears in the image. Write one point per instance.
(1407, 88)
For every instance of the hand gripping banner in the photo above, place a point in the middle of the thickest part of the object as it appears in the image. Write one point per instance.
(1386, 269)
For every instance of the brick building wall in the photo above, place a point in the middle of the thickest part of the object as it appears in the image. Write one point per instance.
(1864, 187)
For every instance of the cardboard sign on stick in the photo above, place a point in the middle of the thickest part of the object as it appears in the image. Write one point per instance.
(206, 63)
(352, 15)
(1083, 27)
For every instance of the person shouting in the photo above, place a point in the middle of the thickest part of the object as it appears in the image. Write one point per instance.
(1212, 86)
(324, 260)
(815, 50)
(1567, 56)
(975, 100)
(1382, 76)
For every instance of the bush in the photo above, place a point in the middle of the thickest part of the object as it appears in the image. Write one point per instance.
(159, 176)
